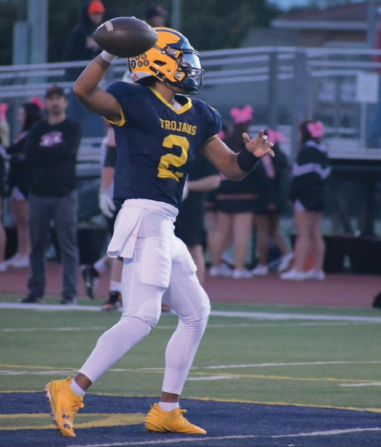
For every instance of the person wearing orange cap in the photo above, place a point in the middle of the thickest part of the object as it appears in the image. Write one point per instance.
(80, 45)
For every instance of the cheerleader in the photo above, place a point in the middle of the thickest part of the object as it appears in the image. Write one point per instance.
(307, 194)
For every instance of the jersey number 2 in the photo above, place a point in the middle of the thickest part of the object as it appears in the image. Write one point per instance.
(173, 160)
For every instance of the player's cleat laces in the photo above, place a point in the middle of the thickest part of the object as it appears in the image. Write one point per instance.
(64, 404)
(161, 421)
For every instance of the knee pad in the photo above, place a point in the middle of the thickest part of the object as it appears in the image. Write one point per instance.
(147, 310)
(199, 318)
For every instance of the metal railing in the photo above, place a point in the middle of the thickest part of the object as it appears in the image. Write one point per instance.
(284, 85)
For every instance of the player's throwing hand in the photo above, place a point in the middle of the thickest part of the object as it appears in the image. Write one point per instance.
(259, 145)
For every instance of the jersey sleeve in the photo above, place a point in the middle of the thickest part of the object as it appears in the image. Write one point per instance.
(124, 93)
(213, 124)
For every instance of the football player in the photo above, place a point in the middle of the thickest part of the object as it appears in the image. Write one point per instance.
(158, 131)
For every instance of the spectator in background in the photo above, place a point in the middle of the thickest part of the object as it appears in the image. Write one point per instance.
(81, 46)
(110, 209)
(189, 226)
(267, 209)
(4, 141)
(51, 152)
(235, 205)
(211, 218)
(155, 16)
(29, 115)
(307, 194)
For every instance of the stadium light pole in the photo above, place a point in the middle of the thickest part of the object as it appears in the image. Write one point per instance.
(176, 14)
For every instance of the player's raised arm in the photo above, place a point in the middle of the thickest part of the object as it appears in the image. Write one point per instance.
(123, 37)
(91, 95)
(237, 166)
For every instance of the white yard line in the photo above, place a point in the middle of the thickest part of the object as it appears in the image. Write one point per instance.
(194, 368)
(215, 313)
(361, 384)
(96, 328)
(60, 372)
(284, 316)
(53, 329)
(212, 378)
(265, 365)
(48, 307)
(225, 438)
(171, 327)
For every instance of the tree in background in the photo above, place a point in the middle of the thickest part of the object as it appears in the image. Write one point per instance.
(209, 24)
(213, 24)
(8, 16)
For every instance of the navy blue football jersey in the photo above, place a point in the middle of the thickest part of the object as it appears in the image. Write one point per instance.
(156, 143)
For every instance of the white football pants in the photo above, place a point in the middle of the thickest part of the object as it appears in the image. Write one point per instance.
(161, 266)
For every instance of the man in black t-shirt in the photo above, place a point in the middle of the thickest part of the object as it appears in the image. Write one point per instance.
(203, 177)
(51, 152)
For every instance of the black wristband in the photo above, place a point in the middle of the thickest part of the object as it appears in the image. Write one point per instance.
(246, 160)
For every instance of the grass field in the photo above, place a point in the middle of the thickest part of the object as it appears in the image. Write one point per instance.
(309, 357)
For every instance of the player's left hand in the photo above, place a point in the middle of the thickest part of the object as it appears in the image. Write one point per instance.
(259, 145)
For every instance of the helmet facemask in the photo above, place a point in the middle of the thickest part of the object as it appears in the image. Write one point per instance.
(189, 73)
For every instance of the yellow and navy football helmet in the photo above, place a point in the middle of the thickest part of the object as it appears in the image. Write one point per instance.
(172, 60)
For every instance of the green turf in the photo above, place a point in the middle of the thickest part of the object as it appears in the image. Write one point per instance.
(228, 341)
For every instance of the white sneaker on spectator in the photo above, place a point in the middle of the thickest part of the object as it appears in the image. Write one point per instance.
(3, 267)
(20, 262)
(241, 274)
(221, 270)
(228, 258)
(260, 270)
(11, 260)
(285, 262)
(293, 275)
(319, 275)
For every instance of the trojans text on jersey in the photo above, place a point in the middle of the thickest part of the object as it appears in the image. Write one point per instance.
(178, 126)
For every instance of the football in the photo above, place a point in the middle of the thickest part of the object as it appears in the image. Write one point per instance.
(125, 36)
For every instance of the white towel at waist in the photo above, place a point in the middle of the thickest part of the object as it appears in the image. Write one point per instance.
(140, 218)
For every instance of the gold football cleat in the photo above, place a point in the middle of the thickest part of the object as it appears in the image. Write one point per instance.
(64, 404)
(161, 421)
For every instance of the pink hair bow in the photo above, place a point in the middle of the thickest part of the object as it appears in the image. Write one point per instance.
(316, 129)
(275, 136)
(242, 115)
(221, 134)
(38, 101)
(3, 111)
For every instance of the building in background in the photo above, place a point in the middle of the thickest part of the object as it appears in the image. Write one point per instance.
(341, 25)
